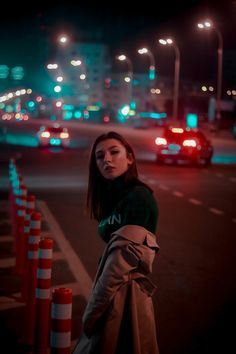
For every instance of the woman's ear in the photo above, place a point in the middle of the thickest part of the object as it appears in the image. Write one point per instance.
(130, 158)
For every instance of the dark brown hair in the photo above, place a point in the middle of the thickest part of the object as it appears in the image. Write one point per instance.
(97, 183)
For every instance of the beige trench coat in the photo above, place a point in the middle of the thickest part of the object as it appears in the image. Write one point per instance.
(119, 316)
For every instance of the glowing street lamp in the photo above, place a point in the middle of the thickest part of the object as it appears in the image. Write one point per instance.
(152, 69)
(209, 25)
(52, 66)
(169, 41)
(123, 57)
(63, 39)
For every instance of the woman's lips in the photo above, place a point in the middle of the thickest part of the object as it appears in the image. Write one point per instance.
(109, 168)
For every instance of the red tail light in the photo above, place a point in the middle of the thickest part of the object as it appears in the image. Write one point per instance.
(190, 143)
(161, 141)
(45, 134)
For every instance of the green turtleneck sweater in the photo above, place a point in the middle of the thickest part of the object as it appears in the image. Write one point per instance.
(135, 205)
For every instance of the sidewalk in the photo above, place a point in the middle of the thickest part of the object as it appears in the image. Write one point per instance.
(12, 310)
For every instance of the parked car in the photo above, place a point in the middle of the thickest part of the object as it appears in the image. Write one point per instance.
(182, 144)
(53, 135)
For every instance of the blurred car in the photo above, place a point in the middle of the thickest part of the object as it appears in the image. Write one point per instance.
(182, 144)
(53, 135)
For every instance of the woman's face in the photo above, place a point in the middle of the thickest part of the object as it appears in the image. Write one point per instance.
(112, 158)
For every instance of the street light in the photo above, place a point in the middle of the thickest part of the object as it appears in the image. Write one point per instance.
(63, 39)
(209, 25)
(152, 69)
(169, 41)
(128, 78)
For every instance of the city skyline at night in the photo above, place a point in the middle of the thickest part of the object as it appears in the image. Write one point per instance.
(125, 28)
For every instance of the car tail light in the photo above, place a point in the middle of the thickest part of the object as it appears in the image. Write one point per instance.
(177, 130)
(64, 135)
(161, 141)
(190, 143)
(45, 134)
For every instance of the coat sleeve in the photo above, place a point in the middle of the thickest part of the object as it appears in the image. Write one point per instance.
(115, 272)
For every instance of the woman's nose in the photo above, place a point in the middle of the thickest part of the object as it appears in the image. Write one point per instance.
(107, 157)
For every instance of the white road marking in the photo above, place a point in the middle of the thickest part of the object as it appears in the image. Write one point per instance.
(178, 194)
(216, 211)
(195, 201)
(152, 181)
(74, 262)
(7, 303)
(163, 187)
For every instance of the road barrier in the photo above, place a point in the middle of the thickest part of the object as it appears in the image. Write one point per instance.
(61, 312)
(20, 202)
(30, 208)
(33, 247)
(43, 295)
(47, 314)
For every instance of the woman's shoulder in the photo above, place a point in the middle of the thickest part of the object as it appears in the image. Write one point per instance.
(141, 191)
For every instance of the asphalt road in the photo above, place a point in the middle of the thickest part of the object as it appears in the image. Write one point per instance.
(195, 269)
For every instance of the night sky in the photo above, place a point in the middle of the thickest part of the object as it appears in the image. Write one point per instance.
(125, 27)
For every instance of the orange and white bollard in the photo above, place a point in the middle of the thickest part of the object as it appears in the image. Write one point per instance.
(32, 264)
(43, 295)
(12, 175)
(20, 202)
(30, 208)
(61, 312)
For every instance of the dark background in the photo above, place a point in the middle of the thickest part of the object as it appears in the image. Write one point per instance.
(29, 31)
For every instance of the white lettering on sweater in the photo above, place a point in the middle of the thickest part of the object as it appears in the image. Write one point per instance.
(112, 219)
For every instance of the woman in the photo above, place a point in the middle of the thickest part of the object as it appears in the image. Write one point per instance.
(119, 316)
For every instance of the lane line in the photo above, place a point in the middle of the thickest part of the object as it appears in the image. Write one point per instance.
(163, 187)
(195, 201)
(216, 211)
(7, 303)
(74, 262)
(177, 194)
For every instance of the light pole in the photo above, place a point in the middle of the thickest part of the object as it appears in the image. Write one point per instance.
(152, 72)
(152, 69)
(169, 41)
(208, 25)
(128, 78)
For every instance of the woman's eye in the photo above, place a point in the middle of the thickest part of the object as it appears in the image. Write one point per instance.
(114, 152)
(99, 157)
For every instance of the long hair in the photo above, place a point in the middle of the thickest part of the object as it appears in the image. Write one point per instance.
(97, 183)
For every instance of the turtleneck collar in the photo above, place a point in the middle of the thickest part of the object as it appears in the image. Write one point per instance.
(119, 183)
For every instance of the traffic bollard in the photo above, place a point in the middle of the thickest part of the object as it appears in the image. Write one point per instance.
(43, 295)
(61, 312)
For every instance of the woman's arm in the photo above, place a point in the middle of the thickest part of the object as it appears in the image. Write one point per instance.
(115, 273)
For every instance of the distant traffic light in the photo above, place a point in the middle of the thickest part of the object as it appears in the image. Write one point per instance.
(125, 110)
(57, 88)
(152, 73)
(31, 105)
(58, 104)
(192, 120)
